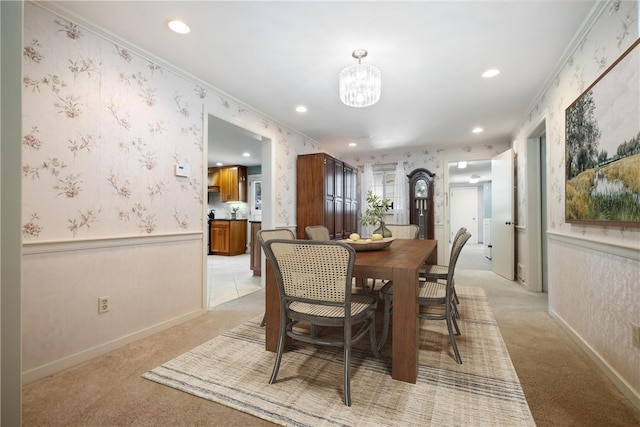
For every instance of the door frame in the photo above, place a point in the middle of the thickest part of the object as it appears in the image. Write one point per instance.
(268, 208)
(533, 262)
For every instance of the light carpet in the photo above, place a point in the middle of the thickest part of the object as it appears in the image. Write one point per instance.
(233, 369)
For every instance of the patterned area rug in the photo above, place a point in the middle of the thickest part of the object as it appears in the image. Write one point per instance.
(233, 369)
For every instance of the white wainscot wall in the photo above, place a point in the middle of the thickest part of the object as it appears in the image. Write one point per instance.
(152, 283)
(595, 295)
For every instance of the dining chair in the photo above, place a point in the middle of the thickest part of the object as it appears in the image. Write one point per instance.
(404, 231)
(433, 272)
(431, 293)
(317, 232)
(315, 286)
(398, 231)
(268, 234)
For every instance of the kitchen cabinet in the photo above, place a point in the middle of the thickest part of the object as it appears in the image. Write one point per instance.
(326, 195)
(230, 181)
(256, 250)
(228, 237)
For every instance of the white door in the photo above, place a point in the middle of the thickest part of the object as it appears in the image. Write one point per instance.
(502, 224)
(464, 212)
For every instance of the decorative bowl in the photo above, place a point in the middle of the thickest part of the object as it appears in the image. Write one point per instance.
(368, 244)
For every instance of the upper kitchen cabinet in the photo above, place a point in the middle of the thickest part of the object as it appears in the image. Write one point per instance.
(230, 181)
(326, 195)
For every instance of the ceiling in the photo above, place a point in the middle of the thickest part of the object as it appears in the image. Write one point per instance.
(276, 55)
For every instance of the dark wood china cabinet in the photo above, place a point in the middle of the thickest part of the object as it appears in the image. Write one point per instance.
(326, 195)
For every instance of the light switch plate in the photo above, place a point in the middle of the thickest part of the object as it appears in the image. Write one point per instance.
(182, 170)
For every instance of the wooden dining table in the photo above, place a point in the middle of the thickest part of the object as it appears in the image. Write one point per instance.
(400, 262)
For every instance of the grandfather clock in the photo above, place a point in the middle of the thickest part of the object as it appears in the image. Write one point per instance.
(421, 201)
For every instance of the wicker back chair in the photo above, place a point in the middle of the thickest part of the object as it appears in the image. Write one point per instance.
(434, 272)
(317, 232)
(403, 231)
(432, 293)
(314, 283)
(268, 234)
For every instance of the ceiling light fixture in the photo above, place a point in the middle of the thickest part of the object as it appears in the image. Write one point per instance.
(179, 27)
(301, 109)
(474, 179)
(352, 144)
(360, 84)
(462, 165)
(245, 154)
(477, 130)
(490, 73)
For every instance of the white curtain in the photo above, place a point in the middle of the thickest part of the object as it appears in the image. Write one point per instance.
(367, 184)
(400, 215)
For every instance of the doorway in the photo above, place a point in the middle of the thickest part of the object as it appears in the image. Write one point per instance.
(229, 277)
(469, 182)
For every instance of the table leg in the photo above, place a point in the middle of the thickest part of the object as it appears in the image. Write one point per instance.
(405, 325)
(272, 311)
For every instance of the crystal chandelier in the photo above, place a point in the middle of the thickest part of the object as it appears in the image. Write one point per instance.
(360, 84)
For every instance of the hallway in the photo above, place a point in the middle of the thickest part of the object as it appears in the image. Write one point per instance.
(472, 257)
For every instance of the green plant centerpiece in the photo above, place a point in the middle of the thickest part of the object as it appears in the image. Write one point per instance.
(376, 212)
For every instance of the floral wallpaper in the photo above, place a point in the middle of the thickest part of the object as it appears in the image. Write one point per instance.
(103, 129)
(616, 30)
(432, 159)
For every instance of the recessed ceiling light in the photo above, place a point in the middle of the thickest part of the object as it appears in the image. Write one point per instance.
(301, 109)
(462, 165)
(246, 154)
(219, 164)
(490, 73)
(352, 144)
(179, 27)
(474, 179)
(477, 130)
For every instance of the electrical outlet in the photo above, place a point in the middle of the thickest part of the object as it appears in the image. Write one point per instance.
(635, 335)
(103, 305)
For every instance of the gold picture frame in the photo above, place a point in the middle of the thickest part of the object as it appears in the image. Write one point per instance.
(602, 149)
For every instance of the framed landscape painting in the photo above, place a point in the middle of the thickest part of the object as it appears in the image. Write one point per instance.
(602, 154)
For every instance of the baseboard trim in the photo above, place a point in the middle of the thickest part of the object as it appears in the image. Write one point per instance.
(609, 371)
(83, 356)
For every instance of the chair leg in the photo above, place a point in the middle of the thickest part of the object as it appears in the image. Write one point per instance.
(347, 366)
(372, 337)
(363, 285)
(385, 323)
(281, 343)
(450, 321)
(455, 323)
(264, 320)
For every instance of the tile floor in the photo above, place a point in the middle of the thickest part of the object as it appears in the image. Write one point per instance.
(228, 278)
